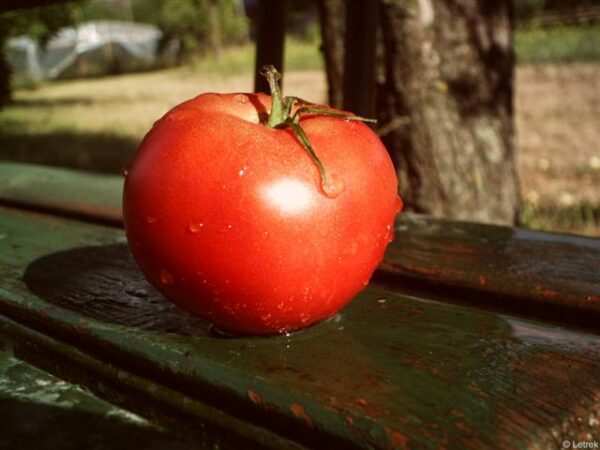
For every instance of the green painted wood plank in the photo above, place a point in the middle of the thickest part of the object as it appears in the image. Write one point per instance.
(35, 406)
(545, 275)
(84, 195)
(202, 426)
(391, 371)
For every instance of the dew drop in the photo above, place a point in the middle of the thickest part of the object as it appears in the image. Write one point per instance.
(151, 219)
(399, 204)
(179, 114)
(242, 171)
(166, 277)
(195, 227)
(125, 172)
(333, 187)
(241, 98)
(381, 301)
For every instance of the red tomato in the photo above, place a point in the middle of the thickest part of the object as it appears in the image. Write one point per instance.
(228, 219)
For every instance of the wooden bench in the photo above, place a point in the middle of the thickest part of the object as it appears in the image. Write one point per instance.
(469, 336)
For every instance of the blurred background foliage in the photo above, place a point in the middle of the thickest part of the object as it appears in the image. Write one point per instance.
(96, 124)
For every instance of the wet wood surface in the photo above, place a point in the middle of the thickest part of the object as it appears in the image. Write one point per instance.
(391, 371)
(36, 406)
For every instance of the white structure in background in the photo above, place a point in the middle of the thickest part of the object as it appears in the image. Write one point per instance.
(92, 48)
(23, 55)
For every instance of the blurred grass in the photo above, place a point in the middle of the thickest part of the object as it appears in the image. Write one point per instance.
(582, 218)
(557, 44)
(298, 55)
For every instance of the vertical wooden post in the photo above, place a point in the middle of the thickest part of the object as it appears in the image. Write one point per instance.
(359, 59)
(270, 36)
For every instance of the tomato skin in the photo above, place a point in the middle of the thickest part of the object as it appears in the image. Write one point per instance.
(228, 219)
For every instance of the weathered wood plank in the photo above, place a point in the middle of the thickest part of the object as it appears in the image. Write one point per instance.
(546, 275)
(201, 426)
(66, 192)
(36, 405)
(391, 371)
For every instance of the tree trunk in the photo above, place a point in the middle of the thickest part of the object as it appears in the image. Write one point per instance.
(445, 107)
(332, 18)
(214, 37)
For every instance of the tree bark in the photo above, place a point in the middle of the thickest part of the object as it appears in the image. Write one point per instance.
(445, 107)
(333, 26)
(214, 38)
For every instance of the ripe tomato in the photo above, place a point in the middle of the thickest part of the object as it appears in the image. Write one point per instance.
(228, 218)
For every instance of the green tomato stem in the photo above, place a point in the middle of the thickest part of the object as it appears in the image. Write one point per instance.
(303, 138)
(281, 116)
(276, 117)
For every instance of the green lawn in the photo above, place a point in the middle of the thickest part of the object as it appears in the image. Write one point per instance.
(299, 55)
(558, 44)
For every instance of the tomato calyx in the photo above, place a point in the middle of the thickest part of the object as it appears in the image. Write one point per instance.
(281, 116)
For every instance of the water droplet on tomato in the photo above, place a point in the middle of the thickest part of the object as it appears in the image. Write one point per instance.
(242, 171)
(179, 114)
(226, 228)
(241, 98)
(399, 204)
(333, 187)
(195, 227)
(265, 317)
(125, 172)
(166, 277)
(389, 233)
(151, 219)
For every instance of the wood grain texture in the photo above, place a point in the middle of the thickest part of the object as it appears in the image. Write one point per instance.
(35, 406)
(82, 195)
(548, 275)
(392, 371)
